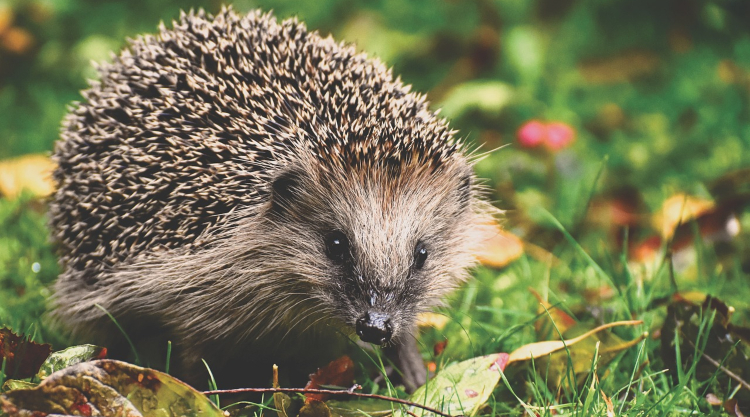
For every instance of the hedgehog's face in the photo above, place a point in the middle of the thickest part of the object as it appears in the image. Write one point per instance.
(376, 249)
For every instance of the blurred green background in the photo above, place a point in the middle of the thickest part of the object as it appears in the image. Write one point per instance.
(651, 96)
(660, 87)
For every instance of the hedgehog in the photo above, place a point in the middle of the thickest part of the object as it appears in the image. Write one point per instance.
(257, 193)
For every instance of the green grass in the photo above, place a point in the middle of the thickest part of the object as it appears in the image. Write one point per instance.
(495, 312)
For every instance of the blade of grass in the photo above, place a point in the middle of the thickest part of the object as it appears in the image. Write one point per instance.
(212, 383)
(169, 356)
(127, 338)
(552, 219)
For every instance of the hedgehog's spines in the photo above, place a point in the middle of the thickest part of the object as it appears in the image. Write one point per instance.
(165, 170)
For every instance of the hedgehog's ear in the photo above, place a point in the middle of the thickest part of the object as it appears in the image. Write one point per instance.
(285, 189)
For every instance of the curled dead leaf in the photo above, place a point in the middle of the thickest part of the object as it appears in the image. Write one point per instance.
(108, 388)
(539, 349)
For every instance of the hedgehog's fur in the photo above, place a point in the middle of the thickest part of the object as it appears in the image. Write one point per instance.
(195, 181)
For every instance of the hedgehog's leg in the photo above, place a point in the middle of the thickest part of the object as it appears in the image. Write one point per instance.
(405, 355)
(101, 307)
(78, 307)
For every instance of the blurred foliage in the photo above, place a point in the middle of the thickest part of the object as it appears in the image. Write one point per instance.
(661, 88)
(27, 267)
(655, 94)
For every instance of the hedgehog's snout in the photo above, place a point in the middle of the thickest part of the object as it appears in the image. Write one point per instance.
(375, 327)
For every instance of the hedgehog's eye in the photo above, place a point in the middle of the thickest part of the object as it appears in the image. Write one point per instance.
(337, 246)
(420, 255)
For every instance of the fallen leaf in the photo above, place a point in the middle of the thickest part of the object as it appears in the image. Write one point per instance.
(17, 40)
(499, 248)
(6, 18)
(12, 384)
(460, 388)
(712, 399)
(314, 408)
(370, 407)
(69, 357)
(556, 366)
(108, 388)
(553, 321)
(281, 401)
(732, 406)
(439, 347)
(22, 356)
(539, 349)
(679, 209)
(646, 250)
(339, 373)
(722, 352)
(29, 172)
(435, 320)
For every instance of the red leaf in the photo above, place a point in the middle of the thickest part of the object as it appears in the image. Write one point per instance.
(501, 362)
(439, 347)
(339, 372)
(23, 358)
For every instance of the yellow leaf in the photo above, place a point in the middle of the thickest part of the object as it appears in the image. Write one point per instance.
(539, 349)
(679, 209)
(6, 18)
(499, 248)
(435, 320)
(17, 40)
(29, 172)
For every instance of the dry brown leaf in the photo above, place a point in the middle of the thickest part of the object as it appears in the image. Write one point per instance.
(30, 172)
(314, 408)
(539, 349)
(20, 355)
(610, 406)
(107, 388)
(339, 372)
(499, 248)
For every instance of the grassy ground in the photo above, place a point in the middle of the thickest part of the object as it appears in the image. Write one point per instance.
(656, 96)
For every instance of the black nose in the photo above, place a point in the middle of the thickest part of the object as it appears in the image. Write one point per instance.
(375, 328)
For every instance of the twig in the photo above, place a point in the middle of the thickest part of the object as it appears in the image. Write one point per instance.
(729, 373)
(327, 391)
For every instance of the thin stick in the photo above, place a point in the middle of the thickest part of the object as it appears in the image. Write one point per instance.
(721, 367)
(327, 391)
